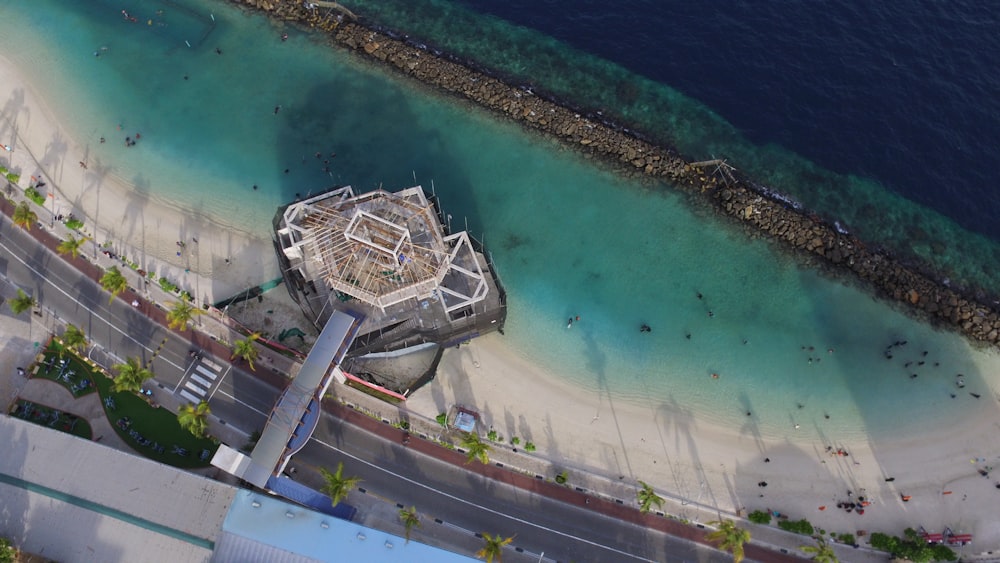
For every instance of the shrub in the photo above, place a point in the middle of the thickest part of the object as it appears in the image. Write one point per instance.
(561, 478)
(74, 224)
(759, 517)
(529, 446)
(165, 285)
(442, 419)
(883, 542)
(942, 553)
(797, 526)
(515, 440)
(33, 194)
(493, 436)
(846, 539)
(912, 548)
(8, 554)
(13, 179)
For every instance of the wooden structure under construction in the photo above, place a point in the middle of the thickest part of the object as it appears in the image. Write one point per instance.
(389, 257)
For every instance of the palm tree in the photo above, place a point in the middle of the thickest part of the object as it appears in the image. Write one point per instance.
(729, 537)
(337, 486)
(131, 376)
(409, 518)
(647, 497)
(493, 548)
(822, 551)
(244, 349)
(74, 339)
(475, 448)
(22, 302)
(24, 217)
(71, 246)
(194, 418)
(180, 314)
(114, 281)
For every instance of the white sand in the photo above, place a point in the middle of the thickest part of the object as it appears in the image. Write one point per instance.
(144, 228)
(670, 448)
(666, 446)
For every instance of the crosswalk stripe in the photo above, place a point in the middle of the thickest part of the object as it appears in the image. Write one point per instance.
(201, 381)
(211, 364)
(189, 396)
(190, 385)
(210, 374)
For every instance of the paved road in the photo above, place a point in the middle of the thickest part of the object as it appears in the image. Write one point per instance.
(567, 531)
(467, 499)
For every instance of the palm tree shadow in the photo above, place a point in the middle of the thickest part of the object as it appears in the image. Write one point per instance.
(681, 421)
(596, 361)
(750, 425)
(10, 117)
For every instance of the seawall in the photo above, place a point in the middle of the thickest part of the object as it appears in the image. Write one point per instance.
(819, 242)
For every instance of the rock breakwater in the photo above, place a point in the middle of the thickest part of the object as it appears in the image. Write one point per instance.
(760, 211)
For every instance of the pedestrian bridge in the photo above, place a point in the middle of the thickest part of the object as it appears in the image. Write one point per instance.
(296, 414)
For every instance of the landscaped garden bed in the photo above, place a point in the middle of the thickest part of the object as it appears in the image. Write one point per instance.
(67, 369)
(53, 418)
(153, 431)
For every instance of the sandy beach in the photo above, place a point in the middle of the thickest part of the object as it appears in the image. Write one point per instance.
(661, 443)
(668, 446)
(216, 260)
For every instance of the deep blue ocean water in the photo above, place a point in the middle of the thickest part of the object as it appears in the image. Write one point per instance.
(901, 92)
(881, 116)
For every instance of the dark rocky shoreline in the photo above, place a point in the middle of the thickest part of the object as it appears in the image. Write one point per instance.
(819, 242)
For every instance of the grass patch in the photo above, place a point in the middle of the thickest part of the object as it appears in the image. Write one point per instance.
(76, 376)
(153, 431)
(53, 418)
(373, 392)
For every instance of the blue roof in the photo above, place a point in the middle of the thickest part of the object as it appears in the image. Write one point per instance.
(270, 523)
(311, 498)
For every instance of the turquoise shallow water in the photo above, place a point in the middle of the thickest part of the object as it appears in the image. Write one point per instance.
(568, 238)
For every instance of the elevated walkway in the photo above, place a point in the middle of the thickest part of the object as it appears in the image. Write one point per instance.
(294, 417)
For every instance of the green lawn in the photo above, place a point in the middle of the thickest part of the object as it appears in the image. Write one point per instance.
(76, 376)
(53, 418)
(152, 431)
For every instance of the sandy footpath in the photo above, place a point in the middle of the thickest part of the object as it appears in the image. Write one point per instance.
(145, 229)
(664, 445)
